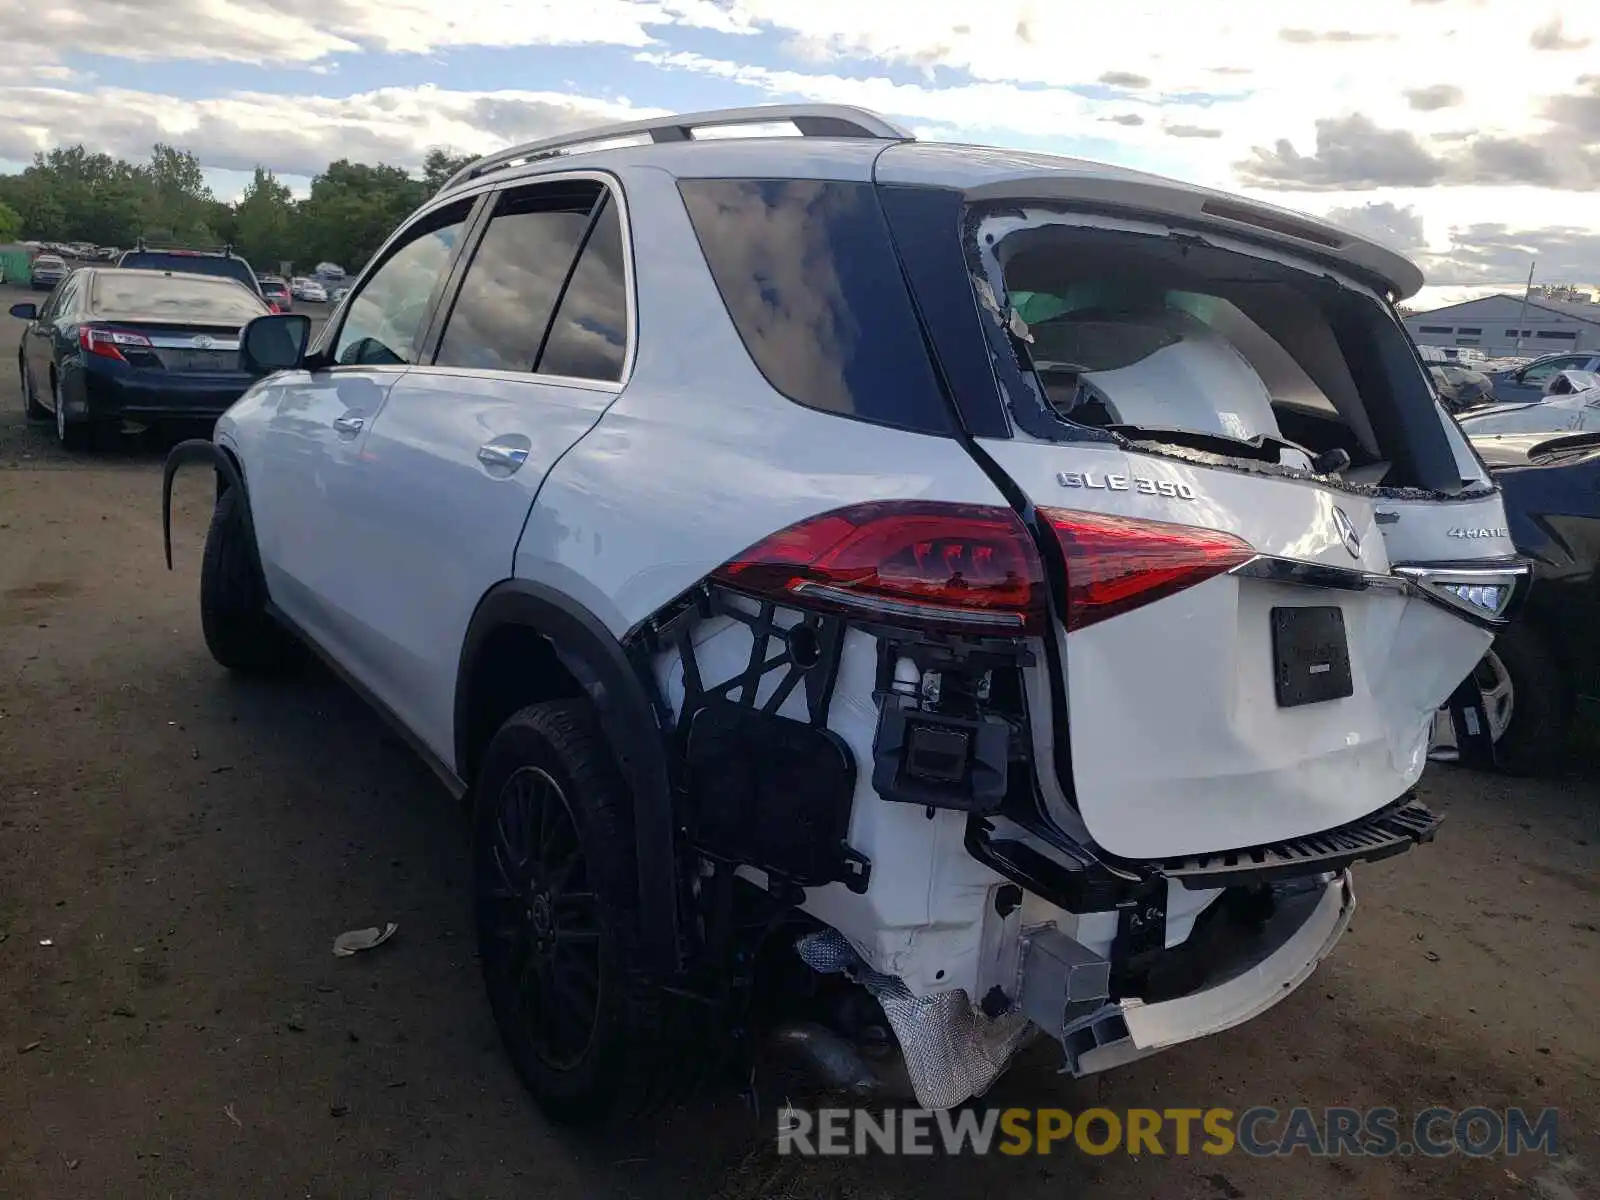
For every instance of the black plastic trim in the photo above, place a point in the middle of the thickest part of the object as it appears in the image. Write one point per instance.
(1081, 884)
(596, 659)
(925, 227)
(228, 476)
(1391, 830)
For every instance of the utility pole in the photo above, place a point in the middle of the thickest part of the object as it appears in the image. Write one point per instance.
(1521, 320)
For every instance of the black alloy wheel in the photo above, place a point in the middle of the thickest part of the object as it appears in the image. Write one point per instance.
(538, 908)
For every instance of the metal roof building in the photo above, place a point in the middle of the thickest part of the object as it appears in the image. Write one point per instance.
(1490, 324)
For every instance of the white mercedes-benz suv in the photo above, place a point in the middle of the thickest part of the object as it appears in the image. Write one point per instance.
(897, 599)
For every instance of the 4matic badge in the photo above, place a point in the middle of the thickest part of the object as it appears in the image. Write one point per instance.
(1127, 483)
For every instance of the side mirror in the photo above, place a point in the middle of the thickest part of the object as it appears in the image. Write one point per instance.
(25, 312)
(275, 343)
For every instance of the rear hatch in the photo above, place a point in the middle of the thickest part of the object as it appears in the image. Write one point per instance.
(1275, 555)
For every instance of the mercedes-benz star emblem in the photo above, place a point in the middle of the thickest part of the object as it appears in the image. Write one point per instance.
(1347, 532)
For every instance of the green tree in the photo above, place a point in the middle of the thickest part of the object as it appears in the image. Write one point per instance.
(352, 208)
(264, 221)
(71, 194)
(439, 165)
(178, 199)
(10, 223)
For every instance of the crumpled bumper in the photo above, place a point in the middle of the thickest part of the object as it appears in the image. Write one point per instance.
(1296, 939)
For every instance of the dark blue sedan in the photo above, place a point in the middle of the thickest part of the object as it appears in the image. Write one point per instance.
(122, 349)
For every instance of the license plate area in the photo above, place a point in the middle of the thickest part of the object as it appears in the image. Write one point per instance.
(1311, 655)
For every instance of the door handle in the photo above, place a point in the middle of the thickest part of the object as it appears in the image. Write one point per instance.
(350, 425)
(502, 457)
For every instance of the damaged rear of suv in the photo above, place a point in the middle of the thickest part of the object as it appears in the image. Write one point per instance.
(1125, 731)
(1034, 583)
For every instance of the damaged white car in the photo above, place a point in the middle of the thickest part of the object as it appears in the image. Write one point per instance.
(893, 600)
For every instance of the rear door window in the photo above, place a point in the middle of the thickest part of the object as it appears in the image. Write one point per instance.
(502, 311)
(589, 337)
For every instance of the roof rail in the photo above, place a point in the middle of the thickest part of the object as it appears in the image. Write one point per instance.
(811, 120)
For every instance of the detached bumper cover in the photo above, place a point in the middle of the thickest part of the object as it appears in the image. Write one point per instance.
(1306, 927)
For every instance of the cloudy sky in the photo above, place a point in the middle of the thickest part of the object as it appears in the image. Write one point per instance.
(1466, 132)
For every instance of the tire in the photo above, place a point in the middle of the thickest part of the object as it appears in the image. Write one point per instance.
(1534, 741)
(233, 598)
(557, 917)
(30, 402)
(77, 437)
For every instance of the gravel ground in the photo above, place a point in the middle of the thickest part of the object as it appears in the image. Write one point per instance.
(178, 850)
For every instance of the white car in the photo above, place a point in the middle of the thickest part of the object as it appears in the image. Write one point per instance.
(1572, 406)
(1005, 590)
(302, 288)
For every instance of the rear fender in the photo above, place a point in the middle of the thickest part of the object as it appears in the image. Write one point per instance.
(200, 450)
(594, 658)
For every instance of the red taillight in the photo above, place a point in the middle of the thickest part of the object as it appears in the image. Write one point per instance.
(1119, 563)
(969, 567)
(104, 342)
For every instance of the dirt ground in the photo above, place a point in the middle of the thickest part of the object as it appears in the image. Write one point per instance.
(178, 851)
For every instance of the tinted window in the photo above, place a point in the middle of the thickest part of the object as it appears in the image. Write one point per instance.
(191, 264)
(589, 337)
(61, 299)
(503, 308)
(384, 319)
(174, 298)
(810, 278)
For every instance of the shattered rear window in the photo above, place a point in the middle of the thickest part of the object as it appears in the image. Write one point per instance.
(1177, 342)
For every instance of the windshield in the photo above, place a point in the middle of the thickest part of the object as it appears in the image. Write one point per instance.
(175, 298)
(192, 264)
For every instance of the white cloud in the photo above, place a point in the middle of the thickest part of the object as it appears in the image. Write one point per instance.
(297, 135)
(307, 31)
(1184, 88)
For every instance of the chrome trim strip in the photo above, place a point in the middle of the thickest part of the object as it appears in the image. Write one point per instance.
(1275, 569)
(1427, 581)
(187, 343)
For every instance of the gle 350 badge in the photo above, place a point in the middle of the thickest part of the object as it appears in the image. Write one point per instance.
(1127, 483)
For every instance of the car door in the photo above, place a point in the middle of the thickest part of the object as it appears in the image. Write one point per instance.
(300, 475)
(40, 342)
(527, 357)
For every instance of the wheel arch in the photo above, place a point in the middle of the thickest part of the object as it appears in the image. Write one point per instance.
(551, 647)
